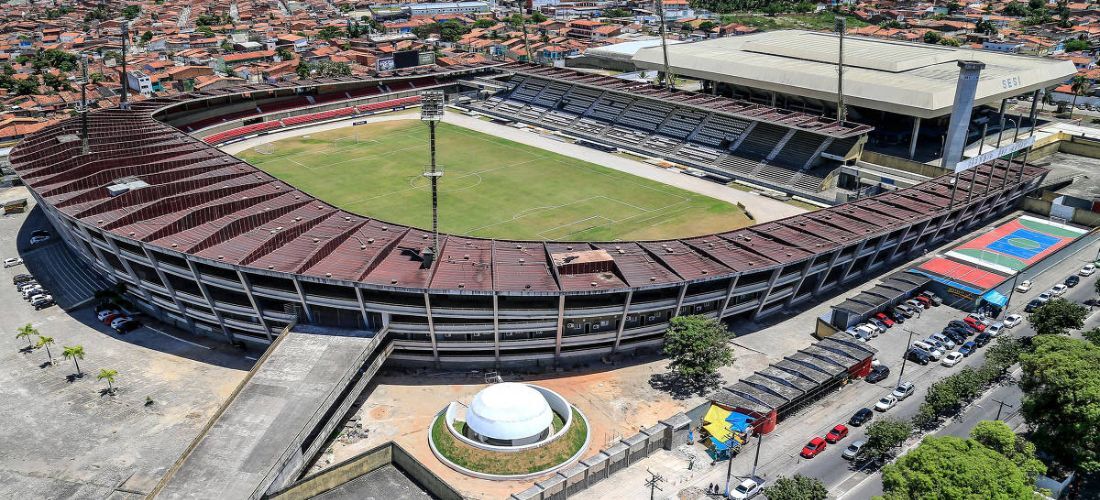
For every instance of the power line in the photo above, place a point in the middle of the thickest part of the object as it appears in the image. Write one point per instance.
(652, 482)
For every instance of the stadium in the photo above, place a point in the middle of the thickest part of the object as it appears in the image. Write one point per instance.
(210, 242)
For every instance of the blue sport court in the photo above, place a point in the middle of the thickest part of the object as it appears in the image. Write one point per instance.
(1024, 244)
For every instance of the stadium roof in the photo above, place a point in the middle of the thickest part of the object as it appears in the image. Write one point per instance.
(912, 79)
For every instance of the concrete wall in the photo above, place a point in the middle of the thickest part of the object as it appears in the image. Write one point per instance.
(668, 434)
(1043, 207)
(364, 463)
(898, 163)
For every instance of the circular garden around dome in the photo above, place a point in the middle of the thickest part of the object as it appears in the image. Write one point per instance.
(509, 431)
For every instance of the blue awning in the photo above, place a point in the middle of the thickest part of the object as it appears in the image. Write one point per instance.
(996, 298)
(739, 421)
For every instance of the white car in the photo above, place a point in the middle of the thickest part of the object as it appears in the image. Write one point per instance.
(887, 402)
(948, 343)
(104, 313)
(1045, 296)
(1024, 287)
(118, 321)
(1012, 320)
(903, 390)
(952, 358)
(1087, 270)
(868, 331)
(12, 262)
(39, 239)
(1058, 290)
(995, 329)
(748, 488)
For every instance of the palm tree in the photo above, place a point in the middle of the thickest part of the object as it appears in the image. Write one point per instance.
(1079, 85)
(44, 341)
(26, 332)
(109, 376)
(74, 353)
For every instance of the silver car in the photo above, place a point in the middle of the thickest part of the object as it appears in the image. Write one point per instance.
(852, 451)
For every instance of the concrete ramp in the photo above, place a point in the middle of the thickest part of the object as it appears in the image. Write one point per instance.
(278, 419)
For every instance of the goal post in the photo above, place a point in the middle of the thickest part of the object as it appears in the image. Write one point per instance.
(265, 149)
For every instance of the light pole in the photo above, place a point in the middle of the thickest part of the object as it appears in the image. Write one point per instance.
(431, 111)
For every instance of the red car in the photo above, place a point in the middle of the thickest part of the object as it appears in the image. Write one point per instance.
(974, 323)
(885, 320)
(111, 317)
(815, 446)
(925, 301)
(839, 432)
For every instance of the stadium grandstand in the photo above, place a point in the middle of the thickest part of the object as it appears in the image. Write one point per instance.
(905, 90)
(210, 243)
(729, 138)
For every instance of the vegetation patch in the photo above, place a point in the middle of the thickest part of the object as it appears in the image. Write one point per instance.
(502, 463)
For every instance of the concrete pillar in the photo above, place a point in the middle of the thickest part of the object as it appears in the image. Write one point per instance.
(913, 140)
(1035, 98)
(965, 91)
(431, 326)
(561, 326)
(302, 297)
(622, 322)
(255, 305)
(1001, 117)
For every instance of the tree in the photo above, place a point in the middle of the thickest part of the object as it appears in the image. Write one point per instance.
(932, 37)
(451, 30)
(109, 376)
(1057, 317)
(131, 11)
(303, 70)
(1061, 385)
(951, 42)
(986, 27)
(883, 436)
(26, 332)
(56, 82)
(75, 353)
(1004, 353)
(697, 347)
(284, 54)
(1093, 336)
(798, 487)
(1075, 45)
(44, 341)
(328, 33)
(1015, 9)
(484, 23)
(616, 12)
(1079, 85)
(997, 436)
(953, 7)
(27, 86)
(146, 37)
(538, 17)
(951, 467)
(706, 26)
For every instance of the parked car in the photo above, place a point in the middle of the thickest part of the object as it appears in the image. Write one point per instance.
(30, 292)
(747, 489)
(878, 374)
(839, 432)
(12, 262)
(903, 390)
(118, 321)
(928, 349)
(19, 278)
(1088, 270)
(936, 343)
(894, 315)
(1024, 286)
(917, 356)
(948, 342)
(888, 401)
(128, 325)
(968, 348)
(861, 417)
(907, 310)
(936, 300)
(853, 450)
(47, 301)
(877, 327)
(923, 301)
(39, 239)
(1072, 281)
(956, 335)
(952, 358)
(982, 339)
(886, 320)
(882, 327)
(1012, 320)
(958, 323)
(974, 323)
(1045, 296)
(871, 331)
(104, 314)
(915, 304)
(1033, 305)
(995, 329)
(1058, 290)
(813, 448)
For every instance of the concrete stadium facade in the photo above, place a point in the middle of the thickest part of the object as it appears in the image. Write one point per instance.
(212, 244)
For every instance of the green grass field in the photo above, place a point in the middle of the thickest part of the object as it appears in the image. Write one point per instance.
(492, 187)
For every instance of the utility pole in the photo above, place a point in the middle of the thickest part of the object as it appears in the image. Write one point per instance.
(1001, 407)
(523, 25)
(729, 464)
(841, 111)
(652, 482)
(84, 104)
(431, 111)
(756, 460)
(669, 79)
(124, 101)
(905, 356)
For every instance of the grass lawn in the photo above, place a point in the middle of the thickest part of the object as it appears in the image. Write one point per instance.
(523, 462)
(492, 187)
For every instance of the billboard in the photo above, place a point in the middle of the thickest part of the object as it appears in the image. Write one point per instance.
(992, 155)
(406, 59)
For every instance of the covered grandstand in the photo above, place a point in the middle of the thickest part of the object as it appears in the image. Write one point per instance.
(212, 244)
(891, 84)
(732, 139)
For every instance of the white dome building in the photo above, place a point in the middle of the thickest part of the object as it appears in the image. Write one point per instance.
(509, 414)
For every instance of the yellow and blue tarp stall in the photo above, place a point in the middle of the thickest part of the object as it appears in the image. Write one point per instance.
(727, 429)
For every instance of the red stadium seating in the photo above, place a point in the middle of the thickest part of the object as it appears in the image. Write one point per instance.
(238, 132)
(390, 104)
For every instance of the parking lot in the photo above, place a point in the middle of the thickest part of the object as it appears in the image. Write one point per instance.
(65, 437)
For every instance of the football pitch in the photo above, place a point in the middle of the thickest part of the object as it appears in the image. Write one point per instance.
(492, 187)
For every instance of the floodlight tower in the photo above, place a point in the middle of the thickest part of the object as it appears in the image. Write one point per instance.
(670, 79)
(84, 104)
(124, 101)
(841, 111)
(431, 111)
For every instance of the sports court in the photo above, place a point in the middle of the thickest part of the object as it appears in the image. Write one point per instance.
(983, 263)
